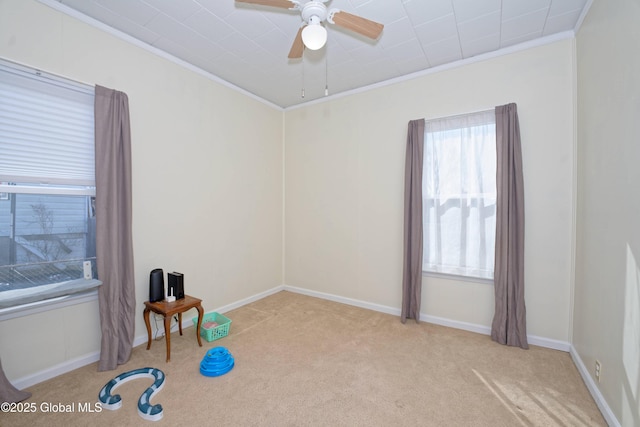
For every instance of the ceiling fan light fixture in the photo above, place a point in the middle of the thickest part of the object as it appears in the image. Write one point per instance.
(314, 35)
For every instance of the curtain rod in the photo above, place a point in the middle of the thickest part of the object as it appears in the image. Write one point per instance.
(42, 73)
(460, 114)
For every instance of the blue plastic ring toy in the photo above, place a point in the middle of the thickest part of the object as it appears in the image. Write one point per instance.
(218, 361)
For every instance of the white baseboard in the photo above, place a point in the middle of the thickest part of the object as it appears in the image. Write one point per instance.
(549, 343)
(606, 411)
(248, 300)
(69, 365)
(54, 371)
(349, 301)
(188, 323)
(465, 326)
(472, 327)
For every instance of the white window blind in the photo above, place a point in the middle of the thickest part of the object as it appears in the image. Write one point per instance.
(46, 129)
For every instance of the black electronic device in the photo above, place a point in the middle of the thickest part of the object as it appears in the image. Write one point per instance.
(176, 284)
(156, 285)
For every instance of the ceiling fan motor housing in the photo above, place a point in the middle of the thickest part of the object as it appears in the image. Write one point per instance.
(314, 8)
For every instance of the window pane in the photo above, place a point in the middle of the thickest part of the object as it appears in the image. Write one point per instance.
(459, 192)
(44, 239)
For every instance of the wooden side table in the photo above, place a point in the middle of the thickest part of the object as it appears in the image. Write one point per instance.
(167, 310)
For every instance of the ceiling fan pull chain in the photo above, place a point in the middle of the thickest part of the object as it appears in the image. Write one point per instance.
(303, 76)
(326, 72)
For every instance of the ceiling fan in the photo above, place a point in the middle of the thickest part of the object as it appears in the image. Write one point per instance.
(312, 33)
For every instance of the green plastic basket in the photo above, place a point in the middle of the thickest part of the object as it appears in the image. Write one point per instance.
(217, 332)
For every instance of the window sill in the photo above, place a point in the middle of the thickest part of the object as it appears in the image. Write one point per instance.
(69, 293)
(457, 277)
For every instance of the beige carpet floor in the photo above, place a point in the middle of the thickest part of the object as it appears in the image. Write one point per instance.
(303, 361)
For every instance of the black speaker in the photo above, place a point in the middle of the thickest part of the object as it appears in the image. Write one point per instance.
(176, 284)
(156, 285)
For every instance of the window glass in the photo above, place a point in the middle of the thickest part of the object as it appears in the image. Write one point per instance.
(459, 195)
(44, 239)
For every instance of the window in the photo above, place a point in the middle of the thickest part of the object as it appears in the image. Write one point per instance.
(47, 185)
(459, 195)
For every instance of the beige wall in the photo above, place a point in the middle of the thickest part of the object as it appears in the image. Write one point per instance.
(607, 290)
(344, 186)
(207, 184)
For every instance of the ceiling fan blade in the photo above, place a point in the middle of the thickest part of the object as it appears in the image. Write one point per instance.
(357, 24)
(285, 4)
(298, 46)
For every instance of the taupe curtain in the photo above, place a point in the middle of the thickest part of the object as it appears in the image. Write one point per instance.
(114, 248)
(412, 264)
(509, 321)
(8, 393)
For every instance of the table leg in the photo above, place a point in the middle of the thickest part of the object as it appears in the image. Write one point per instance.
(146, 322)
(200, 316)
(180, 322)
(167, 335)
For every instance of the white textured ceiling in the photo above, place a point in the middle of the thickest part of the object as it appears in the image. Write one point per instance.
(248, 45)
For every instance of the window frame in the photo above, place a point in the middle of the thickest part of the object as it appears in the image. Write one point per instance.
(444, 274)
(73, 291)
